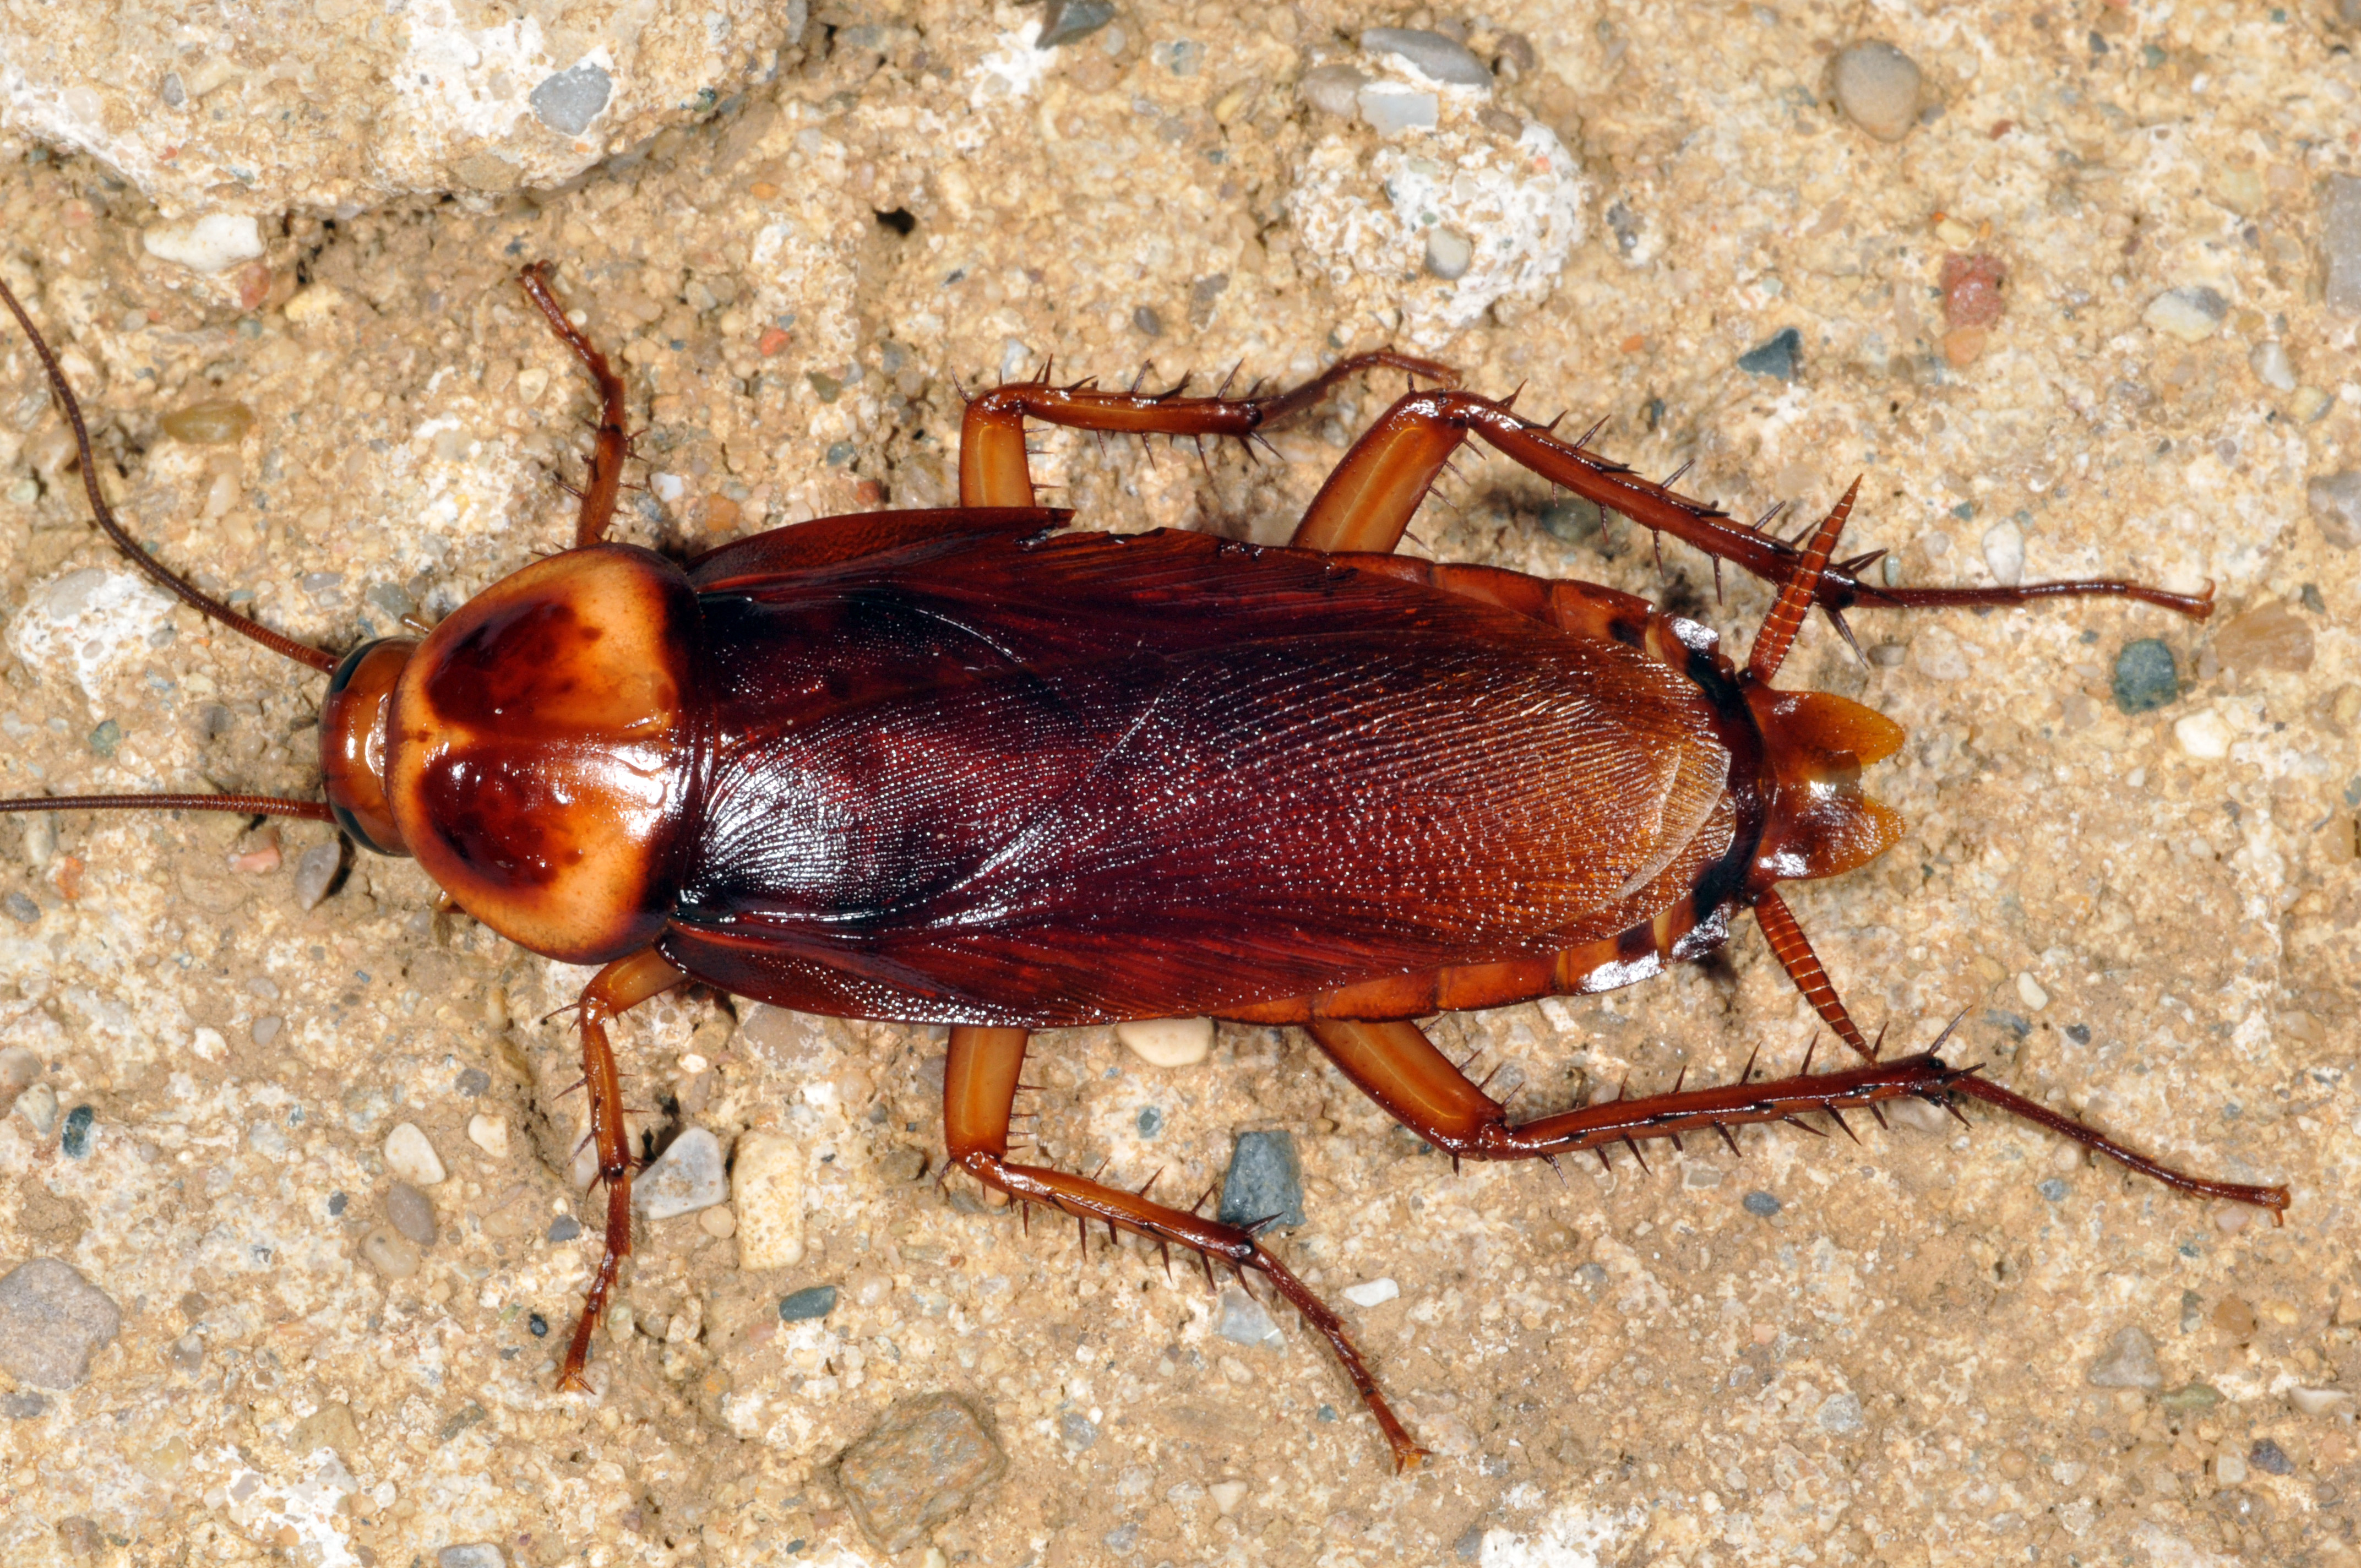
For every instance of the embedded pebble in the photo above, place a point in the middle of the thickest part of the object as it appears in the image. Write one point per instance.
(2053, 1188)
(212, 423)
(38, 1106)
(1264, 1182)
(1241, 1320)
(2269, 1458)
(1761, 1204)
(410, 1211)
(1374, 1293)
(2129, 1362)
(20, 1068)
(766, 1188)
(1840, 1413)
(1774, 356)
(1449, 254)
(214, 243)
(316, 869)
(1066, 20)
(388, 1251)
(23, 1407)
(74, 1142)
(2319, 1401)
(568, 101)
(1573, 520)
(684, 1178)
(2191, 314)
(1077, 1430)
(1437, 58)
(52, 1321)
(925, 1461)
(2335, 500)
(2204, 735)
(412, 1157)
(1878, 87)
(21, 909)
(2189, 1396)
(1167, 1042)
(1971, 286)
(1332, 89)
(2340, 241)
(475, 1080)
(717, 1222)
(489, 1133)
(2030, 991)
(1390, 107)
(811, 1301)
(477, 1554)
(564, 1228)
(1226, 1496)
(2146, 677)
(2272, 366)
(2273, 636)
(2229, 1469)
(2004, 552)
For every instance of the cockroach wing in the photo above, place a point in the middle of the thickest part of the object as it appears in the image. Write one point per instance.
(1052, 780)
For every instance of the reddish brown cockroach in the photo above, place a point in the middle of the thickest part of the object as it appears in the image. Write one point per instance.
(966, 767)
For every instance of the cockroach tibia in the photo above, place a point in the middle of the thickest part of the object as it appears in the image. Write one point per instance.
(969, 767)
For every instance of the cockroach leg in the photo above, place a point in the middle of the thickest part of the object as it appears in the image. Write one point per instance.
(613, 442)
(980, 1079)
(992, 469)
(612, 991)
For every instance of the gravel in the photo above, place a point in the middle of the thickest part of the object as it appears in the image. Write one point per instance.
(74, 1142)
(1433, 56)
(766, 1185)
(1167, 1042)
(1069, 19)
(477, 1554)
(2193, 314)
(568, 101)
(1332, 89)
(811, 1301)
(1449, 254)
(410, 1156)
(1761, 1204)
(1878, 88)
(1774, 356)
(2335, 500)
(2128, 1362)
(1840, 1413)
(2340, 241)
(390, 1252)
(1242, 1319)
(2004, 552)
(411, 1211)
(316, 872)
(926, 1461)
(2269, 1458)
(1391, 107)
(684, 1178)
(1264, 1182)
(2146, 677)
(1375, 1292)
(52, 1321)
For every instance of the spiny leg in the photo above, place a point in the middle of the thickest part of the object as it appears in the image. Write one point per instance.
(980, 1083)
(1370, 497)
(1396, 1065)
(612, 991)
(604, 483)
(993, 468)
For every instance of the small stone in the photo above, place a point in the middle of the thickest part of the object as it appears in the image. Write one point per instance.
(811, 1301)
(2146, 677)
(925, 1461)
(38, 1106)
(1069, 19)
(1377, 1292)
(1432, 55)
(106, 738)
(2307, 404)
(489, 1133)
(1971, 286)
(1226, 1496)
(1840, 1413)
(1242, 1319)
(315, 870)
(2269, 1458)
(2191, 314)
(684, 1178)
(188, 1354)
(80, 1537)
(2229, 1469)
(475, 1080)
(210, 423)
(2129, 1362)
(2030, 991)
(2004, 552)
(74, 1142)
(2053, 1190)
(1878, 87)
(2234, 1317)
(2273, 636)
(1332, 89)
(1700, 1177)
(2191, 1397)
(1077, 1430)
(1774, 356)
(1264, 1182)
(1167, 1042)
(52, 1321)
(766, 1188)
(564, 1228)
(2204, 735)
(2337, 507)
(410, 1211)
(21, 909)
(568, 101)
(412, 1157)
(215, 243)
(1573, 520)
(1147, 322)
(388, 1251)
(2340, 243)
(2319, 1401)
(2272, 366)
(1449, 253)
(330, 1427)
(478, 1555)
(1762, 1204)
(23, 1407)
(1390, 107)
(717, 1222)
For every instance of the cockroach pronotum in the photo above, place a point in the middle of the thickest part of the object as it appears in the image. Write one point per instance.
(972, 767)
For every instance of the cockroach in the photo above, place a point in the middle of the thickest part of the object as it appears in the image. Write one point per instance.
(969, 766)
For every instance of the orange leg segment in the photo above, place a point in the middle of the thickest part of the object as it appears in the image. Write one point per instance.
(980, 1081)
(612, 991)
(604, 483)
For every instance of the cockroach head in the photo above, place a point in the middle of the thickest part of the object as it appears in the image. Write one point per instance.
(1819, 823)
(353, 741)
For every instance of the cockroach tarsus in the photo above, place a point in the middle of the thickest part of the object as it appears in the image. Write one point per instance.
(966, 767)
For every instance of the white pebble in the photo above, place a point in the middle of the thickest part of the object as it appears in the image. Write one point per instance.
(2229, 1468)
(2317, 1402)
(489, 1133)
(718, 1222)
(2191, 314)
(388, 1251)
(211, 244)
(766, 1188)
(1227, 1496)
(2272, 365)
(2004, 552)
(1332, 89)
(684, 1178)
(2029, 990)
(410, 1157)
(1375, 1292)
(1878, 87)
(1243, 1321)
(38, 1106)
(1167, 1042)
(1449, 254)
(1390, 107)
(2202, 734)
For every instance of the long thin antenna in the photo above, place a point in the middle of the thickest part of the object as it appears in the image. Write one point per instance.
(303, 654)
(243, 805)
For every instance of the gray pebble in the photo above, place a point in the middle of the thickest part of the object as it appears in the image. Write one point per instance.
(411, 1211)
(1888, 656)
(1840, 1413)
(1449, 253)
(188, 1354)
(2145, 676)
(1075, 1427)
(1774, 356)
(564, 1228)
(924, 1462)
(1332, 89)
(1762, 1204)
(1264, 1182)
(1242, 1319)
(1390, 107)
(1070, 19)
(1592, 1277)
(1145, 319)
(21, 909)
(265, 1029)
(2053, 1188)
(1516, 59)
(473, 1082)
(1573, 520)
(476, 1555)
(316, 869)
(2269, 1458)
(74, 1142)
(52, 1321)
(2129, 1362)
(2340, 241)
(1443, 59)
(811, 1301)
(172, 90)
(568, 101)
(23, 1407)
(326, 589)
(2337, 507)
(684, 1178)
(1878, 87)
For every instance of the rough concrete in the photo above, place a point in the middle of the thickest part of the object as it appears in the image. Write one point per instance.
(1823, 1352)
